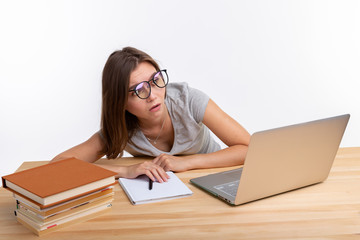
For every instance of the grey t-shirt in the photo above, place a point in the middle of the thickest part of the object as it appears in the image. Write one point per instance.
(186, 107)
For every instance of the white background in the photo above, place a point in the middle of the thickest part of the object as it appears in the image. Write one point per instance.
(266, 63)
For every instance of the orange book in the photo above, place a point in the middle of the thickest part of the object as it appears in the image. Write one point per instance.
(53, 183)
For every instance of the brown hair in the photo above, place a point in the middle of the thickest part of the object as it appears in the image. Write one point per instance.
(117, 124)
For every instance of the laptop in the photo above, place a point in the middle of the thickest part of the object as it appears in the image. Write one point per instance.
(280, 160)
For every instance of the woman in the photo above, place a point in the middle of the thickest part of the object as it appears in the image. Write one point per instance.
(144, 115)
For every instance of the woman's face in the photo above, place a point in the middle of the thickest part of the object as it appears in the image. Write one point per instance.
(152, 107)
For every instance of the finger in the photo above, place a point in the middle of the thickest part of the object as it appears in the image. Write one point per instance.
(162, 161)
(150, 175)
(156, 160)
(156, 174)
(164, 165)
(167, 168)
(159, 158)
(155, 171)
(163, 174)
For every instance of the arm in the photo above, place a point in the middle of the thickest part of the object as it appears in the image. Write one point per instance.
(90, 151)
(227, 130)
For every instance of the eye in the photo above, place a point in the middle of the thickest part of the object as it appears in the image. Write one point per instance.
(139, 87)
(140, 90)
(158, 79)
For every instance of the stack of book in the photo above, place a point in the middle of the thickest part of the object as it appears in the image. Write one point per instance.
(59, 194)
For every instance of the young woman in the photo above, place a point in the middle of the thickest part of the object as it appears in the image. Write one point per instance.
(145, 115)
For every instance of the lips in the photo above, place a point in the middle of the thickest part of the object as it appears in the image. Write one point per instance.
(155, 107)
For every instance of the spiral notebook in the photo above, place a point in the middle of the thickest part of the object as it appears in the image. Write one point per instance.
(138, 191)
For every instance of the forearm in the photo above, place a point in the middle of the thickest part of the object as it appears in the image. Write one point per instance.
(89, 151)
(153, 171)
(231, 156)
(120, 170)
(85, 156)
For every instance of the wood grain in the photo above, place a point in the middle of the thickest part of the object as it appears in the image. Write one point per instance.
(329, 210)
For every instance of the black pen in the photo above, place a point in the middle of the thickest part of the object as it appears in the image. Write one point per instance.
(150, 184)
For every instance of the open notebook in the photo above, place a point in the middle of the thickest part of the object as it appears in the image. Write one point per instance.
(138, 191)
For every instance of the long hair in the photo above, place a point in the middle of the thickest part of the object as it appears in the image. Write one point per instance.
(117, 124)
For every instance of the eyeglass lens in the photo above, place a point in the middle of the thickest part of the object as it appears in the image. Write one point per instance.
(160, 80)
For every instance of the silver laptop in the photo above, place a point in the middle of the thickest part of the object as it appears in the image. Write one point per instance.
(280, 160)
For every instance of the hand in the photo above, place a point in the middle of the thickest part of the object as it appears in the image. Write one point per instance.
(153, 171)
(171, 163)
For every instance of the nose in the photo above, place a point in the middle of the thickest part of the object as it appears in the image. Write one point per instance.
(151, 97)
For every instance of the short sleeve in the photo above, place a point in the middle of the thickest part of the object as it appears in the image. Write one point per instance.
(198, 102)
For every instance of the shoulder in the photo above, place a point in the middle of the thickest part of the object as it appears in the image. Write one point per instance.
(185, 100)
(177, 88)
(183, 90)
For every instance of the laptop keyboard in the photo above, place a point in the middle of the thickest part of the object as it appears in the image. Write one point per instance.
(229, 188)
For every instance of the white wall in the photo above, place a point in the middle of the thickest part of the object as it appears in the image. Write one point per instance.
(266, 63)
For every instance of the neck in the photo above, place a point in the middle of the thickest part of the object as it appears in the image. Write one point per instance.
(152, 128)
(151, 135)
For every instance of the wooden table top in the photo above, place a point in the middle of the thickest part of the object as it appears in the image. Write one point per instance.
(329, 210)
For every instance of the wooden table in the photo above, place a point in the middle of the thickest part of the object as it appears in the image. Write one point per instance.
(329, 210)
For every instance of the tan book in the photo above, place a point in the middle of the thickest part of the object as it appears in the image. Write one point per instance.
(57, 182)
(63, 205)
(53, 219)
(83, 216)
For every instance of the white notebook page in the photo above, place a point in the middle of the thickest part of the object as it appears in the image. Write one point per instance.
(138, 189)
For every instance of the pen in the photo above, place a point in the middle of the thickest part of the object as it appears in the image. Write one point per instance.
(150, 184)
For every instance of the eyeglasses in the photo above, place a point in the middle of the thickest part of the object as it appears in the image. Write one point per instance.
(143, 89)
